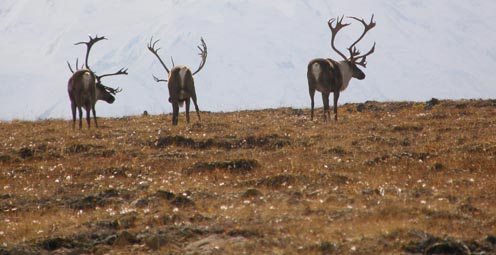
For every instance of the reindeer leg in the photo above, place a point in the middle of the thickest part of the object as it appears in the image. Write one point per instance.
(312, 94)
(73, 109)
(175, 113)
(94, 116)
(196, 108)
(325, 99)
(80, 117)
(336, 97)
(88, 117)
(188, 102)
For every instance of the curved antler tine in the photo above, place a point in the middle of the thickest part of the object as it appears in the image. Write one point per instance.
(334, 30)
(330, 21)
(157, 79)
(122, 71)
(70, 68)
(367, 27)
(152, 49)
(203, 54)
(89, 44)
(363, 57)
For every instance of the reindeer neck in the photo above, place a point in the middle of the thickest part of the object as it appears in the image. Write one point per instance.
(346, 73)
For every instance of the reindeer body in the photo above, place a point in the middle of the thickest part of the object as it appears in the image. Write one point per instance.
(85, 88)
(83, 93)
(329, 76)
(180, 82)
(181, 88)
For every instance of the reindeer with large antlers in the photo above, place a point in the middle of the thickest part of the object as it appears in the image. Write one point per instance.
(180, 82)
(85, 87)
(327, 75)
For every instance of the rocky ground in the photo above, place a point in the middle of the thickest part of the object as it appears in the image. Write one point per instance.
(388, 178)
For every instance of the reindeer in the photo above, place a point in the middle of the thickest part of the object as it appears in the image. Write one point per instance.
(327, 75)
(180, 82)
(85, 87)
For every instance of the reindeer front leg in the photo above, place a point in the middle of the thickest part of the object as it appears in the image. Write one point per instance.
(175, 113)
(336, 97)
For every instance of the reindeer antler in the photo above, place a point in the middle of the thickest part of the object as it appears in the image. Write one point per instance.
(110, 90)
(122, 71)
(157, 79)
(334, 31)
(89, 44)
(355, 56)
(152, 49)
(354, 52)
(77, 67)
(203, 54)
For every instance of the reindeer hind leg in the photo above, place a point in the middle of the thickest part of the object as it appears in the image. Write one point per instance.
(94, 116)
(187, 109)
(80, 110)
(327, 112)
(196, 107)
(73, 109)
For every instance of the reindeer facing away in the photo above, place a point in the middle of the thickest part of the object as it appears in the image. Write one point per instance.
(180, 82)
(85, 87)
(327, 75)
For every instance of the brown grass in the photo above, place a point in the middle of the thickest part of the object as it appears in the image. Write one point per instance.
(387, 179)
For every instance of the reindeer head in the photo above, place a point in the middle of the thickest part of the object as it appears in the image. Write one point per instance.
(102, 92)
(355, 59)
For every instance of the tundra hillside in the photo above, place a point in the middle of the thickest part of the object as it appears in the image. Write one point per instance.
(388, 178)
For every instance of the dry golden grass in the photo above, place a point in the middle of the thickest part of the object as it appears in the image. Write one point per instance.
(393, 178)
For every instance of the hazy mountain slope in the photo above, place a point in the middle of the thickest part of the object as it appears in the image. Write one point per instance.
(258, 51)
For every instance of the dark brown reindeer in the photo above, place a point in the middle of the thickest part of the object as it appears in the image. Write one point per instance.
(180, 82)
(85, 87)
(330, 76)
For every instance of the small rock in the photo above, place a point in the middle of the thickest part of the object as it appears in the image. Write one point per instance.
(437, 166)
(26, 152)
(140, 202)
(127, 221)
(448, 247)
(125, 238)
(102, 249)
(110, 239)
(182, 201)
(167, 195)
(156, 241)
(431, 103)
(491, 239)
(252, 193)
(4, 158)
(213, 244)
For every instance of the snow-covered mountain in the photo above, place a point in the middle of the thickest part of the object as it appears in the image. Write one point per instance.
(258, 51)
